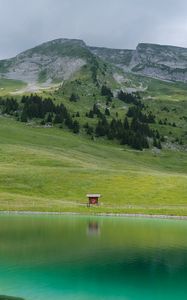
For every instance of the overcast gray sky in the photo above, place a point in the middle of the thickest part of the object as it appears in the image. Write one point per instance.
(109, 23)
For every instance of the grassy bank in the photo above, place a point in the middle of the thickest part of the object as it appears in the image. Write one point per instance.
(48, 169)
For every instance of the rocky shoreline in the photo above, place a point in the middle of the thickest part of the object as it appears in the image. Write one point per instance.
(175, 217)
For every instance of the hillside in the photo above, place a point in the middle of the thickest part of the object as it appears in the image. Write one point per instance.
(48, 169)
(98, 97)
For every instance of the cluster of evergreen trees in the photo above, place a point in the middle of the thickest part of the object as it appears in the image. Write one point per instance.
(134, 130)
(95, 111)
(165, 122)
(132, 133)
(74, 97)
(130, 98)
(34, 107)
(137, 113)
(106, 91)
(9, 106)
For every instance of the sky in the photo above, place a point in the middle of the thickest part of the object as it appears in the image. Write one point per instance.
(106, 23)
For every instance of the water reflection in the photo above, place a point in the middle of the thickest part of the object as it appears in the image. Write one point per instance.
(93, 228)
(44, 258)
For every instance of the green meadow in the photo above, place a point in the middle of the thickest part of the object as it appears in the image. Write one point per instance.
(51, 169)
(9, 86)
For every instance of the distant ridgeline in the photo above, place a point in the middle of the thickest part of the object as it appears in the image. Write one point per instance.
(58, 60)
(133, 129)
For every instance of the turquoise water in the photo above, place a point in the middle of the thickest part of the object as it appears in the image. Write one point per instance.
(84, 258)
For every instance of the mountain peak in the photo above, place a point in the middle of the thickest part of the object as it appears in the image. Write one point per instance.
(63, 41)
(54, 60)
(160, 46)
(56, 47)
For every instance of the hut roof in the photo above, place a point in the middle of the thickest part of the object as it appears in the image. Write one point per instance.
(93, 195)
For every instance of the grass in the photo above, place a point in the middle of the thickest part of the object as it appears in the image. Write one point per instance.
(163, 90)
(48, 169)
(8, 86)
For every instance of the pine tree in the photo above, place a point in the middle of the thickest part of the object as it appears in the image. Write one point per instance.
(23, 117)
(58, 118)
(107, 112)
(126, 124)
(49, 118)
(91, 114)
(106, 91)
(155, 144)
(159, 145)
(76, 127)
(74, 97)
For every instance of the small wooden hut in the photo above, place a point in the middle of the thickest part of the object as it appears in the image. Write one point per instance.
(93, 199)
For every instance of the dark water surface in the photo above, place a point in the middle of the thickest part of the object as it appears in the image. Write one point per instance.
(89, 258)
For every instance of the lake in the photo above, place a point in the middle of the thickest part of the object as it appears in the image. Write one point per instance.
(89, 258)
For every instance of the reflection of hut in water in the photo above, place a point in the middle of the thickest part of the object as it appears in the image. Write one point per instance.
(93, 228)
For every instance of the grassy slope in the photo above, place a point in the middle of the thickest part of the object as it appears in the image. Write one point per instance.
(51, 169)
(8, 86)
(166, 100)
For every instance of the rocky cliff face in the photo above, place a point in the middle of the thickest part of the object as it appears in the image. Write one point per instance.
(116, 56)
(49, 62)
(163, 62)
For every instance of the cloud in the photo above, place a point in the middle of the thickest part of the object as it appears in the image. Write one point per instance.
(110, 23)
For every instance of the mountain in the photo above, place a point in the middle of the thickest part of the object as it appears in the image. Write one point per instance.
(51, 61)
(54, 62)
(157, 61)
(58, 60)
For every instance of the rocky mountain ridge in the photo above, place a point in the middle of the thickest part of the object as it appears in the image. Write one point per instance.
(58, 60)
(51, 61)
(157, 61)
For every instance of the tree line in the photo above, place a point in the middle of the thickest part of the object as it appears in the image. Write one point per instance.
(34, 107)
(134, 130)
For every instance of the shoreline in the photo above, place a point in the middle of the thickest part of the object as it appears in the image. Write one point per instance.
(121, 215)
